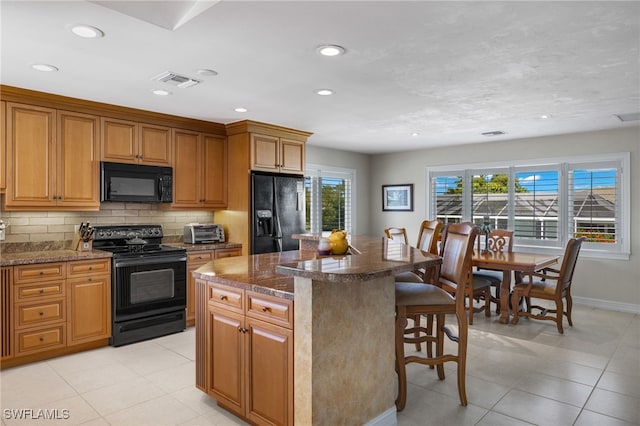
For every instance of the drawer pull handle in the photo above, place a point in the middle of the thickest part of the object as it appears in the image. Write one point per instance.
(242, 330)
(223, 297)
(266, 309)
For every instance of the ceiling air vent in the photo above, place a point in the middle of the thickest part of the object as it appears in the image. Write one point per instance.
(176, 79)
(634, 116)
(494, 133)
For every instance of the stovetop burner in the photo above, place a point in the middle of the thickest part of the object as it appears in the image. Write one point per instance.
(123, 240)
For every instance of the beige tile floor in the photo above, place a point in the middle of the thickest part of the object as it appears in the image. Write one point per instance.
(516, 375)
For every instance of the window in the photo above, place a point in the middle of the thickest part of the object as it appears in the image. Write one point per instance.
(545, 202)
(329, 198)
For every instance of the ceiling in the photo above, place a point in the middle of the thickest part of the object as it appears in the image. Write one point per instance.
(448, 71)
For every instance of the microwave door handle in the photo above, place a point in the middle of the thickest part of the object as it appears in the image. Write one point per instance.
(160, 189)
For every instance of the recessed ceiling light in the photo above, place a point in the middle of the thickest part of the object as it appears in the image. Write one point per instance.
(414, 134)
(324, 92)
(207, 72)
(161, 92)
(331, 50)
(545, 116)
(87, 31)
(44, 67)
(240, 109)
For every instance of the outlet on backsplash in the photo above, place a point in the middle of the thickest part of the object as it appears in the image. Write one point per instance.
(2, 228)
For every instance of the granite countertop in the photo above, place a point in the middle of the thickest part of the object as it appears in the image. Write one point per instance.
(47, 256)
(273, 273)
(202, 247)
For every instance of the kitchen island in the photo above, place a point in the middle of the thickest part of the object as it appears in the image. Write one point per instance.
(341, 369)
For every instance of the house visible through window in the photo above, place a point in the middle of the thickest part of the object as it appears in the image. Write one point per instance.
(329, 192)
(544, 204)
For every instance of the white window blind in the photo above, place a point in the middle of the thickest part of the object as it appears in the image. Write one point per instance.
(544, 201)
(330, 193)
(594, 204)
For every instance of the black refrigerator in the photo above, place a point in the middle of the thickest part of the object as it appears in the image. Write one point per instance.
(277, 211)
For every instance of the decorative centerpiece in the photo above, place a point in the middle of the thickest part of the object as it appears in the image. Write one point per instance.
(338, 242)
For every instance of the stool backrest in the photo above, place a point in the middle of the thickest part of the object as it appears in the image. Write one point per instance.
(457, 254)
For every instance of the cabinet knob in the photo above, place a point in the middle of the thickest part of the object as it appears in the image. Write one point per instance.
(223, 297)
(41, 290)
(41, 272)
(266, 309)
(42, 338)
(41, 313)
(90, 267)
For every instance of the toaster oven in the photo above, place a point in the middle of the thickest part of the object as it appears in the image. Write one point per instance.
(196, 233)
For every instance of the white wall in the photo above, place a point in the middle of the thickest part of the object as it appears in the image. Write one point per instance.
(613, 281)
(349, 160)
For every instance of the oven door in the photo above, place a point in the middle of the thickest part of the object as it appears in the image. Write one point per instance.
(149, 285)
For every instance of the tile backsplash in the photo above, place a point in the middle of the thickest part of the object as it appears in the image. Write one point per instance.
(26, 227)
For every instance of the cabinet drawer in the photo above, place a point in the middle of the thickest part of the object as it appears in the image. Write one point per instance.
(222, 253)
(199, 257)
(88, 267)
(270, 309)
(43, 313)
(24, 292)
(227, 297)
(41, 339)
(39, 271)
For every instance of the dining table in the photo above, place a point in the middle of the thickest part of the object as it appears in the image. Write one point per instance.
(521, 263)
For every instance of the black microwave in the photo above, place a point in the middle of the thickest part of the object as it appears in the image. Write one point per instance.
(134, 183)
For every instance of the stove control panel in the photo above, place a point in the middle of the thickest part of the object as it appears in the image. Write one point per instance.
(126, 232)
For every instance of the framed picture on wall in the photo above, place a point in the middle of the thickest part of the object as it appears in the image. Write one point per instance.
(397, 197)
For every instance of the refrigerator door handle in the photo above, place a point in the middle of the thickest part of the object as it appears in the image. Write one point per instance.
(277, 231)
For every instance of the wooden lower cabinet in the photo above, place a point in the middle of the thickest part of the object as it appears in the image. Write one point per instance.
(88, 301)
(55, 308)
(196, 259)
(248, 361)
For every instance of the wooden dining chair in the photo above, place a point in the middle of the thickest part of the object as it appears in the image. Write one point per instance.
(553, 285)
(397, 234)
(416, 299)
(499, 241)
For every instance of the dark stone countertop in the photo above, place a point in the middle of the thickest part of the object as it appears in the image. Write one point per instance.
(273, 273)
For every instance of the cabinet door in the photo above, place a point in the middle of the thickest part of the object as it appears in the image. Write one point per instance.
(187, 169)
(119, 140)
(264, 153)
(78, 166)
(89, 308)
(214, 183)
(31, 156)
(194, 261)
(291, 156)
(270, 370)
(155, 145)
(3, 147)
(225, 351)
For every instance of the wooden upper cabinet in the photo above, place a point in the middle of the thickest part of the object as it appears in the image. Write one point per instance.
(78, 166)
(52, 159)
(214, 184)
(200, 170)
(275, 154)
(131, 142)
(155, 145)
(3, 147)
